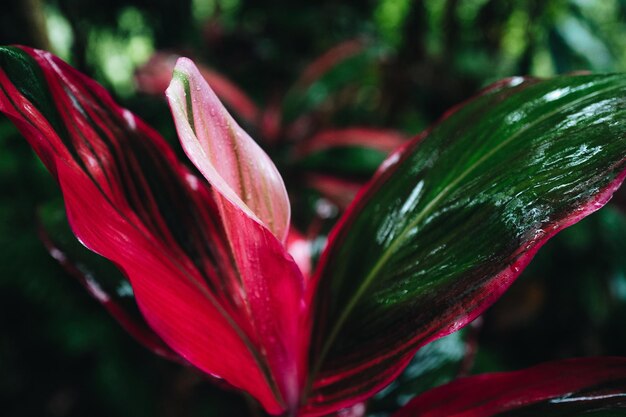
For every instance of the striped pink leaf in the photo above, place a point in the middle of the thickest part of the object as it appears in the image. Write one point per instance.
(225, 154)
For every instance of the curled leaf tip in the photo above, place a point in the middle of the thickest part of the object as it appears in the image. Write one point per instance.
(235, 166)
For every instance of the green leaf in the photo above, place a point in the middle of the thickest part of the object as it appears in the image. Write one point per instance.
(450, 222)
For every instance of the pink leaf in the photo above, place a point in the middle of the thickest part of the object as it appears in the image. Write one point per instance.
(228, 158)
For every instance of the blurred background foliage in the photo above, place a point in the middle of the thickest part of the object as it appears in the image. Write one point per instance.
(62, 355)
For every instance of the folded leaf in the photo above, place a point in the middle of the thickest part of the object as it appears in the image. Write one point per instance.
(574, 387)
(100, 278)
(130, 200)
(449, 222)
(228, 158)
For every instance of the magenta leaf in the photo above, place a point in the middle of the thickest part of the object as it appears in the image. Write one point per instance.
(252, 201)
(100, 278)
(573, 387)
(229, 303)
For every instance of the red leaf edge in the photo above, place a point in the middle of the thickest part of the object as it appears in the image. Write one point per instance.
(139, 330)
(489, 394)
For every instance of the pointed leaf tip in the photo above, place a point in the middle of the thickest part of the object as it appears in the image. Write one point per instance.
(230, 160)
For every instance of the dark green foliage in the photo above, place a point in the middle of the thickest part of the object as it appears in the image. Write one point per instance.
(426, 245)
(62, 355)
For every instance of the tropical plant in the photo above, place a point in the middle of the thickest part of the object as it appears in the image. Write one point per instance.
(446, 225)
(295, 126)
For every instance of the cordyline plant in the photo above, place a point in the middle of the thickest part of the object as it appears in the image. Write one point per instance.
(294, 123)
(442, 230)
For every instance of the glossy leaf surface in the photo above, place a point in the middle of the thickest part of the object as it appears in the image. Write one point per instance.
(574, 387)
(587, 259)
(130, 200)
(225, 154)
(449, 222)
